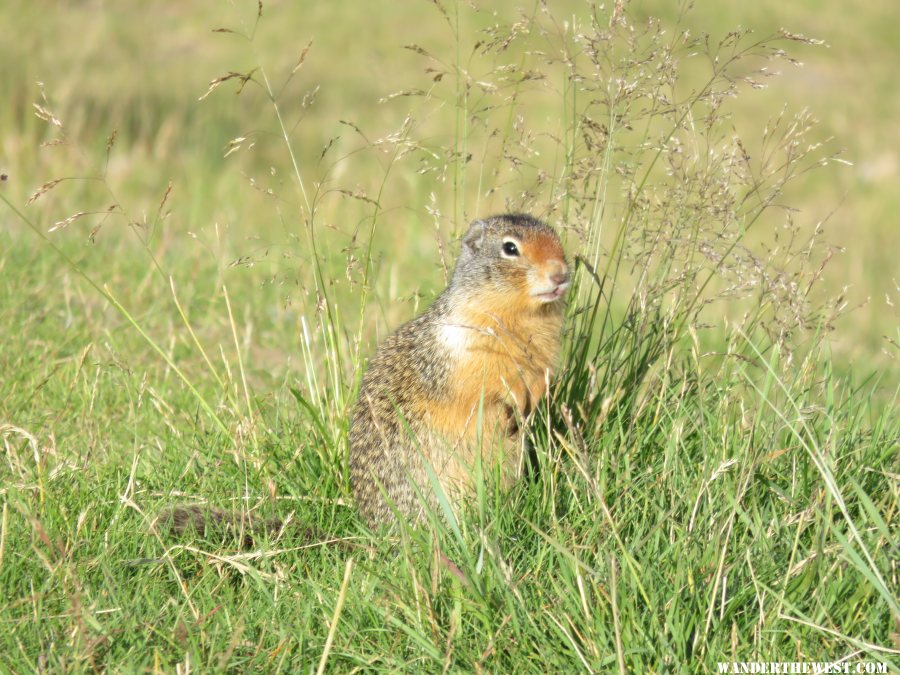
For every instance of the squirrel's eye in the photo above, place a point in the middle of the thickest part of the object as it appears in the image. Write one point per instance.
(510, 249)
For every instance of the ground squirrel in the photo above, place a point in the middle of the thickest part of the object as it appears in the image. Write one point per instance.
(456, 382)
(452, 384)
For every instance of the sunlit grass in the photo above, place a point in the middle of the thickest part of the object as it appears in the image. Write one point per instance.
(708, 490)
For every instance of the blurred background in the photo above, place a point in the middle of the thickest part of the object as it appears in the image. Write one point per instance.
(116, 90)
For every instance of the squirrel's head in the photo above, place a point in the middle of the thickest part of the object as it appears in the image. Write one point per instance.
(514, 254)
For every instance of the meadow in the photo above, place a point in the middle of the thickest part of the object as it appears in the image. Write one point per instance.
(212, 214)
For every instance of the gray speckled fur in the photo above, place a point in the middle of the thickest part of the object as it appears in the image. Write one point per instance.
(407, 374)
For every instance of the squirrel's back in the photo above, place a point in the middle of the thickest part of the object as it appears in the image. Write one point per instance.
(455, 384)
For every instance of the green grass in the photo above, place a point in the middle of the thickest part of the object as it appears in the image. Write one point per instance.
(717, 466)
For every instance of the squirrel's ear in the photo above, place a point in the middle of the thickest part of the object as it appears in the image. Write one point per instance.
(474, 238)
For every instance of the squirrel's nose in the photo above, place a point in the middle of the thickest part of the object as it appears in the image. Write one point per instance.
(560, 277)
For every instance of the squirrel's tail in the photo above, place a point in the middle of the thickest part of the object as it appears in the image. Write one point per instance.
(212, 523)
(242, 528)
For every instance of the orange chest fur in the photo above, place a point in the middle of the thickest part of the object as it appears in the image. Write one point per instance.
(499, 366)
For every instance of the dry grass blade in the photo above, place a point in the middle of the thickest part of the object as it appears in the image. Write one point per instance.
(302, 57)
(44, 114)
(218, 81)
(339, 605)
(43, 189)
(60, 224)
